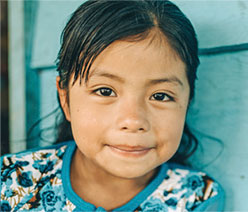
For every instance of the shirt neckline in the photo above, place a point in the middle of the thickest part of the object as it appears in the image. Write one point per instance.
(83, 205)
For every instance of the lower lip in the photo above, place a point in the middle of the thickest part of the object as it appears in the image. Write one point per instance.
(130, 153)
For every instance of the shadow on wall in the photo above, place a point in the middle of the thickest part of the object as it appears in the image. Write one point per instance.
(4, 79)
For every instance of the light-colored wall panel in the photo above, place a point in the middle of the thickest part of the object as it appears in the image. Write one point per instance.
(52, 16)
(217, 22)
(16, 71)
(220, 109)
(49, 103)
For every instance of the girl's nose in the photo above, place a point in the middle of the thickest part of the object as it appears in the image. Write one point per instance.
(133, 118)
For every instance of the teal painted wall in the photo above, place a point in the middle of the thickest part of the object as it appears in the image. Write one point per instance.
(220, 107)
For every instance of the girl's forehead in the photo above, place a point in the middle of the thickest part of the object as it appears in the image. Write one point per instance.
(125, 56)
(154, 39)
(142, 61)
(152, 51)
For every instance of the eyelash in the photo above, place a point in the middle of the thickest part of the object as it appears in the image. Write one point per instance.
(101, 89)
(170, 98)
(104, 89)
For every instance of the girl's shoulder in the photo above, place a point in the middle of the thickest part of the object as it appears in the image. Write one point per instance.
(29, 175)
(186, 188)
(39, 150)
(33, 158)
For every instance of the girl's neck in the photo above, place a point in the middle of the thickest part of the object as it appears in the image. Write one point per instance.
(101, 188)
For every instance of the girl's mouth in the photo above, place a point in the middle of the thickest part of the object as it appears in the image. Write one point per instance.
(132, 151)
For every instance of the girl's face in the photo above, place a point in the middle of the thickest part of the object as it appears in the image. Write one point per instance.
(129, 116)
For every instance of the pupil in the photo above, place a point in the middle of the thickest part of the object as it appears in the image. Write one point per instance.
(159, 96)
(105, 92)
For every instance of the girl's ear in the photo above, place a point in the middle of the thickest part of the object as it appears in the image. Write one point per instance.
(63, 98)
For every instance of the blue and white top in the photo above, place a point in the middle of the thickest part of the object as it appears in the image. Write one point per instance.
(39, 180)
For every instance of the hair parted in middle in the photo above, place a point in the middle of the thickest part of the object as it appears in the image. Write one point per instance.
(95, 25)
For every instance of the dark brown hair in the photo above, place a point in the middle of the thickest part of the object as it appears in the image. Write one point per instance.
(97, 24)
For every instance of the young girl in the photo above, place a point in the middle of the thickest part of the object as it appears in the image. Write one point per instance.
(126, 78)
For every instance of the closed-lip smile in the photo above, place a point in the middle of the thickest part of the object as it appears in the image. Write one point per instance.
(130, 150)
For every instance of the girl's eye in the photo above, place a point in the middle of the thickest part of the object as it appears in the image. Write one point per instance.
(163, 97)
(104, 92)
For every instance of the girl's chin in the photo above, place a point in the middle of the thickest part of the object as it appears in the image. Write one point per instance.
(127, 172)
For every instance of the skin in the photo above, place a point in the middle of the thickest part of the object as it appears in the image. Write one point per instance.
(125, 120)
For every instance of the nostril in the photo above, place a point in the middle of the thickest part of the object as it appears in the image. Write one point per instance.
(133, 126)
(139, 129)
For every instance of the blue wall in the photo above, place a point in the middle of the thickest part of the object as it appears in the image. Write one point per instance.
(220, 107)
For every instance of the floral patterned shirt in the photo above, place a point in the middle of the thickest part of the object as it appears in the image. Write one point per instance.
(39, 180)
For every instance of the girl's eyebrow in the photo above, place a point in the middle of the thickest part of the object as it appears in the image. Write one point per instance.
(101, 73)
(171, 79)
(110, 76)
